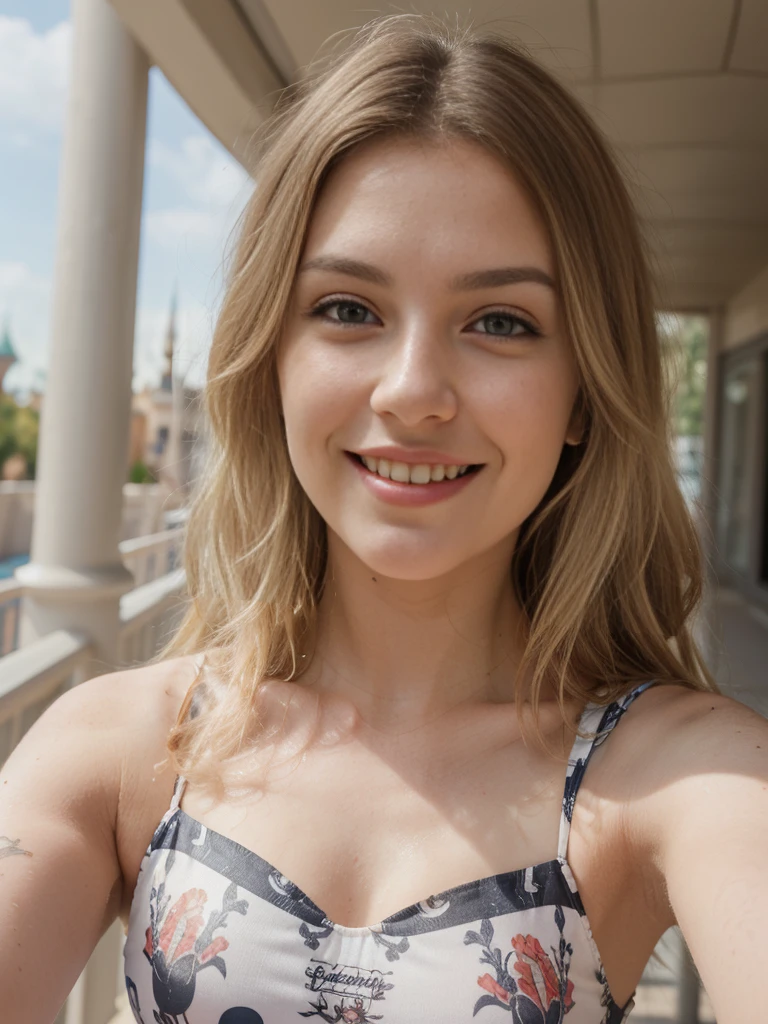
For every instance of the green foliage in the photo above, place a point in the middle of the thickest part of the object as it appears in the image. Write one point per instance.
(19, 428)
(140, 473)
(684, 342)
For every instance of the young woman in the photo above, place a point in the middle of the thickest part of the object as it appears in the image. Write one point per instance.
(439, 560)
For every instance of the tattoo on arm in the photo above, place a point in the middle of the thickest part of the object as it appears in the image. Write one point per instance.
(10, 848)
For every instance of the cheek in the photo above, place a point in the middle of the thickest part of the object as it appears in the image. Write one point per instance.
(527, 416)
(317, 397)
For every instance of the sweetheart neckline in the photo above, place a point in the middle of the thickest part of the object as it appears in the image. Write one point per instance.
(300, 896)
(398, 915)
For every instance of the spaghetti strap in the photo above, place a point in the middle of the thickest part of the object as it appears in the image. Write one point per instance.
(178, 792)
(595, 719)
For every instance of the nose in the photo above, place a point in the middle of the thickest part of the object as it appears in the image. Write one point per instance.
(417, 381)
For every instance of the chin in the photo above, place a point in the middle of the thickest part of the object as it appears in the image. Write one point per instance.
(411, 558)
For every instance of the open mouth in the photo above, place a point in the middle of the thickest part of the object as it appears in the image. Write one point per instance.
(409, 473)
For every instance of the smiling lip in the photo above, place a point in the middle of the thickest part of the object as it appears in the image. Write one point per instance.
(408, 495)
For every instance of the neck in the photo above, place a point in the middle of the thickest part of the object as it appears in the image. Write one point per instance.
(406, 652)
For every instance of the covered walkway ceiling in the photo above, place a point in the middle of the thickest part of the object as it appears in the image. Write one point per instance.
(679, 86)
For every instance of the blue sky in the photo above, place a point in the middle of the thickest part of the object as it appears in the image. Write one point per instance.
(193, 193)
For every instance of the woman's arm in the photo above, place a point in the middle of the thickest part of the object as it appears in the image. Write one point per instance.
(60, 879)
(711, 819)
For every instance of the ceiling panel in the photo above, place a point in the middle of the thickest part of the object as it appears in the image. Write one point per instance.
(694, 140)
(750, 51)
(659, 37)
(710, 184)
(722, 110)
(556, 31)
(729, 251)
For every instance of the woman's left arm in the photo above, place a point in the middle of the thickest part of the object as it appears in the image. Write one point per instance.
(712, 848)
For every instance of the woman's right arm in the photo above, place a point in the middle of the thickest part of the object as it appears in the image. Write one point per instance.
(60, 877)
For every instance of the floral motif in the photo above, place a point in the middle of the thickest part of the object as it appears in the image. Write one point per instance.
(179, 943)
(393, 948)
(538, 978)
(312, 939)
(542, 994)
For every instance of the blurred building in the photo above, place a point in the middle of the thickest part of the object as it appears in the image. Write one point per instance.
(167, 433)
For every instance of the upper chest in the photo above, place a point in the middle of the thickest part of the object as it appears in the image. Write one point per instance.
(366, 830)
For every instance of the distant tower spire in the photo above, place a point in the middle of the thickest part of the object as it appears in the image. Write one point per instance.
(7, 354)
(170, 342)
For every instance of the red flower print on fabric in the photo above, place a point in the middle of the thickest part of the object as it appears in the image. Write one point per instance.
(180, 942)
(542, 993)
(491, 985)
(538, 979)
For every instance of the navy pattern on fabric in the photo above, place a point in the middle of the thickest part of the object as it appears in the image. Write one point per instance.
(218, 935)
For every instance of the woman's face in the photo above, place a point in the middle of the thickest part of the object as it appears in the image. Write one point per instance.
(425, 337)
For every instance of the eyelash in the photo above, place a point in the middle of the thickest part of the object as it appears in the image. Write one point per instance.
(321, 309)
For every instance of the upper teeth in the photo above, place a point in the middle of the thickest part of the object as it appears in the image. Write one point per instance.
(404, 473)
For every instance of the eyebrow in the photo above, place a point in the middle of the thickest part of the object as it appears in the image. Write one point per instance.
(351, 268)
(494, 278)
(500, 276)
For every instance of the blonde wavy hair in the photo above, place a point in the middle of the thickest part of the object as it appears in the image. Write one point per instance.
(608, 568)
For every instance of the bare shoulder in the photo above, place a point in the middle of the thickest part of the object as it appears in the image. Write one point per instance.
(699, 736)
(98, 751)
(94, 737)
(62, 793)
(671, 732)
(683, 730)
(148, 701)
(683, 754)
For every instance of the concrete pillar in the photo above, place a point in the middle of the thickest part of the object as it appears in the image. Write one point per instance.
(75, 576)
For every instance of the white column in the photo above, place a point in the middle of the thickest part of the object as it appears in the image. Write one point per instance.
(75, 576)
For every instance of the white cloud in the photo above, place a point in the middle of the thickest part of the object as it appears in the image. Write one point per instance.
(194, 326)
(34, 73)
(215, 189)
(206, 172)
(184, 226)
(18, 277)
(25, 302)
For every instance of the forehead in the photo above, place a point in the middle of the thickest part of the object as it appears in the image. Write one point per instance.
(449, 202)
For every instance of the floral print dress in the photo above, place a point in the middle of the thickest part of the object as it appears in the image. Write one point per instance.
(217, 935)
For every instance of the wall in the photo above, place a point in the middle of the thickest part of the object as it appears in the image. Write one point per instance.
(746, 316)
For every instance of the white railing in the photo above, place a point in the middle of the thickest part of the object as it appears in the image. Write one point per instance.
(10, 612)
(148, 558)
(148, 616)
(152, 556)
(33, 677)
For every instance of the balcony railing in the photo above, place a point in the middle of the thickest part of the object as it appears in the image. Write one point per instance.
(33, 676)
(146, 557)
(10, 613)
